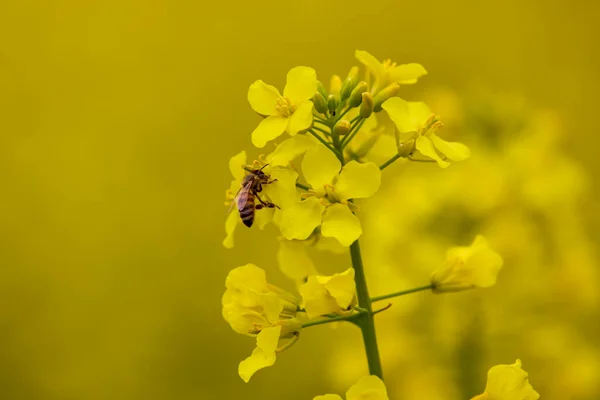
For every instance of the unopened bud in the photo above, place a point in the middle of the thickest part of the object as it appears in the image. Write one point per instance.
(320, 103)
(335, 85)
(367, 105)
(347, 87)
(406, 148)
(353, 73)
(342, 127)
(387, 93)
(356, 95)
(321, 89)
(332, 103)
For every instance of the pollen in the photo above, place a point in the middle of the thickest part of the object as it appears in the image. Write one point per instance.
(284, 107)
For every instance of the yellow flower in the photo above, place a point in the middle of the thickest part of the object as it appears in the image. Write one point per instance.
(251, 304)
(328, 294)
(508, 382)
(388, 72)
(367, 388)
(467, 267)
(294, 261)
(331, 190)
(415, 121)
(291, 112)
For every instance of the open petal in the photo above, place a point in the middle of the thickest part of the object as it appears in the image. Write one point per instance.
(453, 150)
(370, 387)
(301, 84)
(263, 217)
(247, 277)
(371, 63)
(268, 129)
(264, 354)
(399, 112)
(300, 220)
(328, 397)
(509, 382)
(425, 146)
(289, 149)
(340, 223)
(340, 286)
(319, 167)
(294, 261)
(237, 164)
(231, 223)
(283, 191)
(316, 300)
(407, 74)
(358, 181)
(301, 119)
(263, 98)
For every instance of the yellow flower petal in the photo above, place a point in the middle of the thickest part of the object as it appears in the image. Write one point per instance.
(328, 397)
(230, 224)
(377, 68)
(316, 300)
(269, 129)
(301, 119)
(294, 261)
(237, 164)
(264, 354)
(282, 192)
(340, 223)
(407, 74)
(289, 149)
(453, 150)
(263, 98)
(509, 382)
(358, 181)
(425, 146)
(247, 277)
(407, 116)
(340, 286)
(319, 167)
(368, 388)
(301, 84)
(263, 217)
(298, 221)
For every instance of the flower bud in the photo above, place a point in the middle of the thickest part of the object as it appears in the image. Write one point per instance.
(347, 87)
(356, 95)
(353, 73)
(367, 105)
(321, 89)
(332, 103)
(335, 84)
(387, 93)
(406, 148)
(342, 127)
(320, 103)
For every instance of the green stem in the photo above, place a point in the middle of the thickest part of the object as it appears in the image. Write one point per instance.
(329, 320)
(342, 114)
(402, 293)
(303, 187)
(321, 130)
(353, 131)
(388, 162)
(366, 320)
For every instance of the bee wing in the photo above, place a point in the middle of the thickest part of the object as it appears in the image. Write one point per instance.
(242, 198)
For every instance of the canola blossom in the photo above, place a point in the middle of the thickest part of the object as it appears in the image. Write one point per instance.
(508, 382)
(314, 186)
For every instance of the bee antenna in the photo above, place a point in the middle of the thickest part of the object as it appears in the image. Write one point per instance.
(261, 168)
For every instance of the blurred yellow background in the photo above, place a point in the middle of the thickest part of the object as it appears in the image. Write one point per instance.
(117, 121)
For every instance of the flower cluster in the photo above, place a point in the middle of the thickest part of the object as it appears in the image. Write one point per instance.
(324, 153)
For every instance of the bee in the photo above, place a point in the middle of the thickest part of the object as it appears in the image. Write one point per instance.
(252, 185)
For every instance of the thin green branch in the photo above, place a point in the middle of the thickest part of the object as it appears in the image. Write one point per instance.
(320, 139)
(388, 162)
(402, 293)
(330, 320)
(321, 130)
(301, 186)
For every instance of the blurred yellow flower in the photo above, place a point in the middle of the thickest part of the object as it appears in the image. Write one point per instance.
(467, 267)
(367, 388)
(331, 190)
(291, 112)
(328, 294)
(251, 304)
(387, 72)
(264, 355)
(508, 382)
(294, 261)
(415, 121)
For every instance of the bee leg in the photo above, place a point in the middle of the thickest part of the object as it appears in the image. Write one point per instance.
(263, 203)
(258, 206)
(274, 180)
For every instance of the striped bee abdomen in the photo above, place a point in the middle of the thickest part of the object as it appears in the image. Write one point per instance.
(246, 207)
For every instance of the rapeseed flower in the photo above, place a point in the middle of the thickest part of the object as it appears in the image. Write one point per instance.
(333, 294)
(508, 382)
(367, 388)
(388, 72)
(291, 113)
